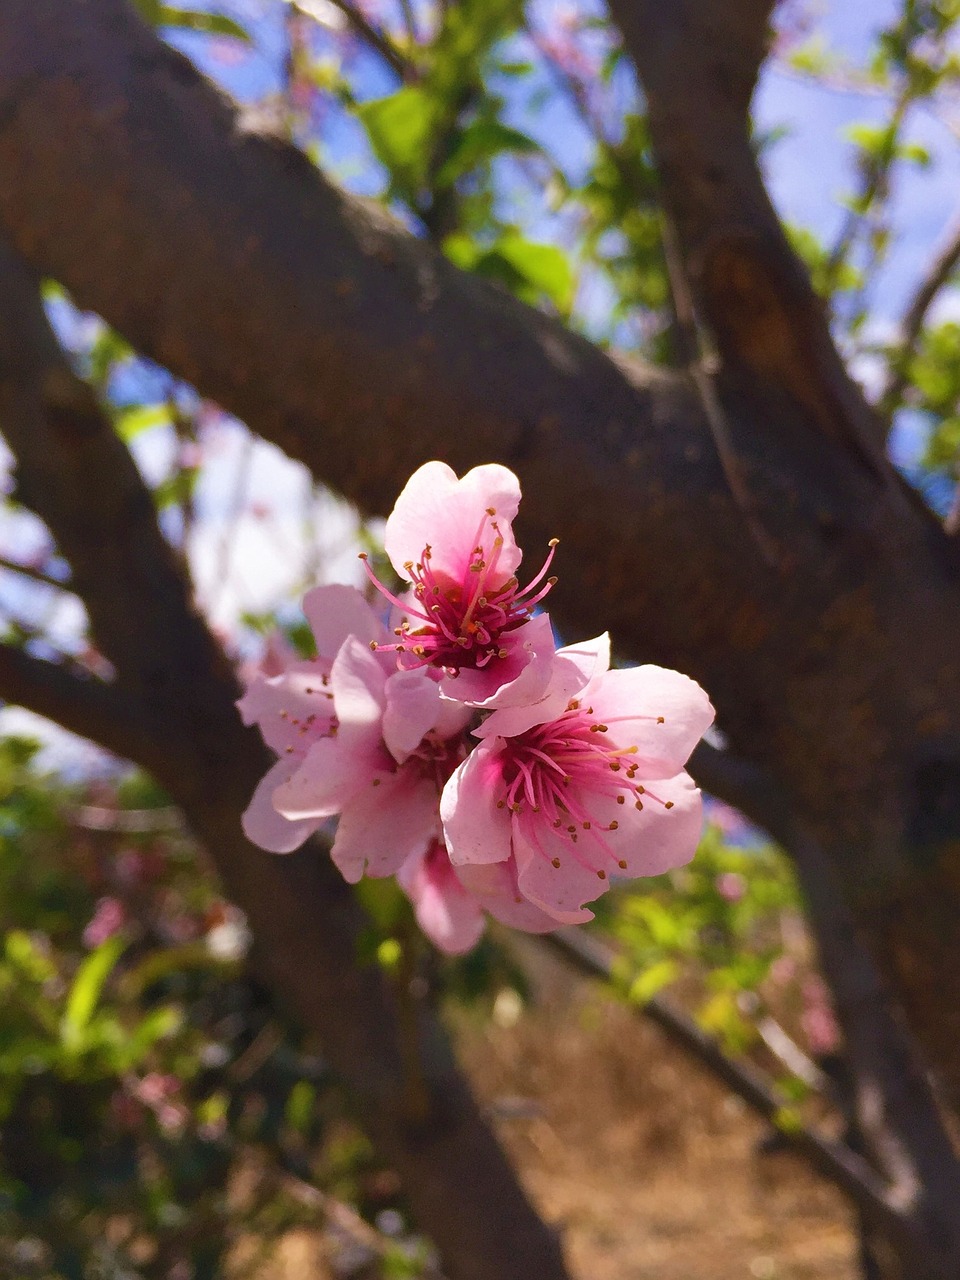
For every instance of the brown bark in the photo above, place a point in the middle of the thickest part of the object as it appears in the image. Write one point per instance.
(172, 710)
(356, 348)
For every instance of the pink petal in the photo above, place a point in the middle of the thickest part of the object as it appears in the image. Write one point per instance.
(437, 509)
(571, 670)
(292, 710)
(516, 680)
(653, 839)
(359, 697)
(412, 710)
(264, 826)
(631, 702)
(389, 819)
(450, 916)
(474, 828)
(326, 780)
(494, 885)
(559, 891)
(335, 612)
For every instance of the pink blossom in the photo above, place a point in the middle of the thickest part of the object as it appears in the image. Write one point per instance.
(382, 765)
(468, 616)
(294, 707)
(450, 902)
(448, 914)
(576, 792)
(108, 918)
(731, 886)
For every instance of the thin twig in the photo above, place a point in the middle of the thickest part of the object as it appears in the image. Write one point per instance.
(372, 36)
(911, 327)
(35, 575)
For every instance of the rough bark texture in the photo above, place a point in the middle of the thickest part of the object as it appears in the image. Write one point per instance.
(331, 331)
(172, 710)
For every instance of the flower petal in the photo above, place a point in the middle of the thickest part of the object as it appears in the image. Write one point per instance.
(447, 913)
(412, 710)
(494, 885)
(324, 782)
(264, 826)
(335, 612)
(436, 509)
(561, 890)
(519, 678)
(571, 671)
(293, 709)
(653, 839)
(475, 829)
(389, 819)
(635, 700)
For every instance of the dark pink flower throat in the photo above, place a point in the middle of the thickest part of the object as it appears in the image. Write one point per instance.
(552, 772)
(456, 624)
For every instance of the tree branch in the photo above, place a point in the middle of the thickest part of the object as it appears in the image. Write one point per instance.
(911, 326)
(85, 706)
(698, 62)
(76, 474)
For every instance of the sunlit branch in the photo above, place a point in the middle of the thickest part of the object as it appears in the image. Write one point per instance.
(373, 37)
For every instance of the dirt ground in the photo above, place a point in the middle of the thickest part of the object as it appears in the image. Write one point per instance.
(649, 1169)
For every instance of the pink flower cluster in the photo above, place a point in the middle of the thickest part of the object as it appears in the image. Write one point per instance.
(462, 751)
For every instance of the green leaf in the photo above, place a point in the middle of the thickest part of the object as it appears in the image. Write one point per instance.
(158, 1024)
(129, 423)
(400, 128)
(646, 985)
(214, 24)
(87, 986)
(532, 271)
(481, 140)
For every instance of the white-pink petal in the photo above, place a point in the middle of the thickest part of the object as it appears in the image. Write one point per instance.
(560, 891)
(474, 828)
(571, 670)
(661, 712)
(412, 710)
(335, 612)
(436, 509)
(324, 782)
(385, 822)
(264, 826)
(451, 917)
(515, 680)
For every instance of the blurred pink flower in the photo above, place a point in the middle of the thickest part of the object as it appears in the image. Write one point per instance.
(293, 708)
(731, 886)
(108, 918)
(818, 1020)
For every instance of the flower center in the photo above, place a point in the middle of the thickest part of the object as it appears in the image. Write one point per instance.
(459, 624)
(437, 759)
(550, 774)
